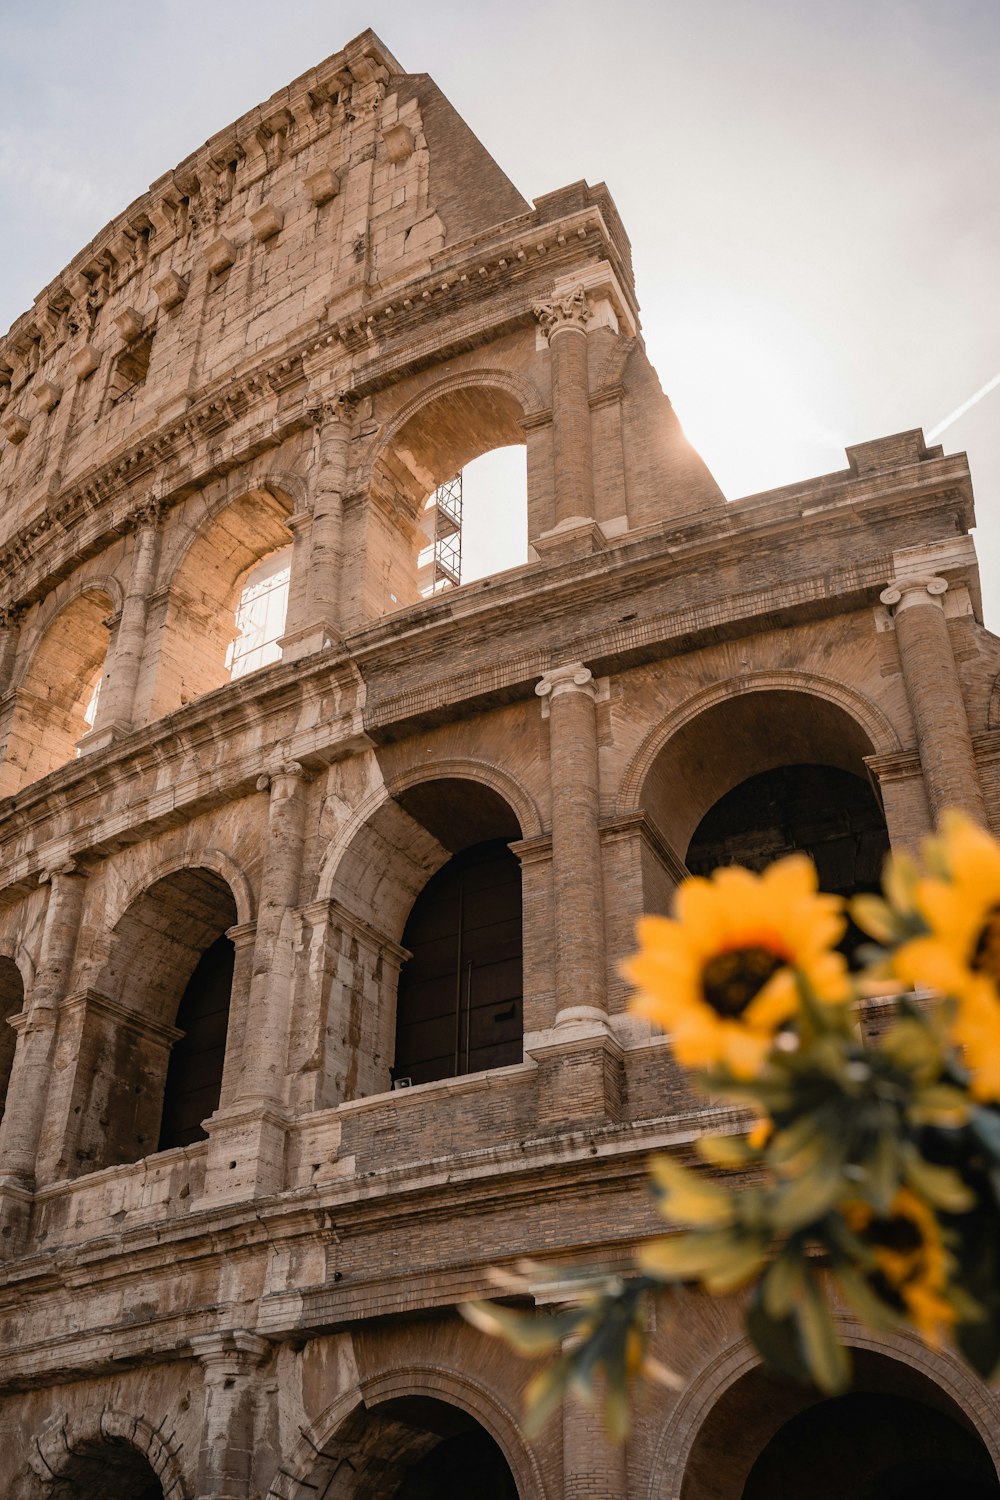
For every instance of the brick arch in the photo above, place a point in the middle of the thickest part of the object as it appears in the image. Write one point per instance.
(380, 821)
(869, 718)
(486, 772)
(680, 1433)
(59, 1444)
(294, 1480)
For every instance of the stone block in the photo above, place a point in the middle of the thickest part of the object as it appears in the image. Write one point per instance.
(220, 255)
(16, 427)
(321, 186)
(398, 142)
(84, 361)
(129, 323)
(266, 222)
(48, 394)
(170, 290)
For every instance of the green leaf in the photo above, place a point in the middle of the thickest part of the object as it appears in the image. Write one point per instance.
(869, 1307)
(688, 1197)
(942, 1187)
(826, 1357)
(783, 1284)
(777, 1342)
(986, 1127)
(808, 1199)
(683, 1257)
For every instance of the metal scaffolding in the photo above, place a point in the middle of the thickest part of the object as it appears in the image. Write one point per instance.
(442, 525)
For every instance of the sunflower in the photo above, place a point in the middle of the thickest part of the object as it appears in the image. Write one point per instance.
(911, 1263)
(959, 954)
(722, 977)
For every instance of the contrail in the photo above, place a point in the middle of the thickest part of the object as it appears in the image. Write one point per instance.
(960, 411)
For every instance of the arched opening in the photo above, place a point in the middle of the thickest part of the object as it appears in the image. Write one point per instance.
(11, 1004)
(758, 776)
(474, 432)
(227, 601)
(98, 1469)
(151, 1062)
(896, 1436)
(57, 698)
(431, 874)
(412, 1448)
(459, 1002)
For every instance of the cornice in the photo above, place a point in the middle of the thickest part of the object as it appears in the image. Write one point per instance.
(217, 433)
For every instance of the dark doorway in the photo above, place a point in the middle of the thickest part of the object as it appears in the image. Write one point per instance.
(459, 998)
(98, 1470)
(11, 1004)
(194, 1073)
(874, 1447)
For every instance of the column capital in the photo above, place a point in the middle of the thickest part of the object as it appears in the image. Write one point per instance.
(234, 1352)
(574, 677)
(282, 777)
(146, 515)
(916, 588)
(570, 311)
(56, 872)
(11, 615)
(331, 406)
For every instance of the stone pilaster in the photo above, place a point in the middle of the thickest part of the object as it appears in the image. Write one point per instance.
(314, 605)
(933, 688)
(28, 1090)
(563, 322)
(571, 695)
(10, 630)
(116, 705)
(230, 1362)
(580, 1061)
(246, 1140)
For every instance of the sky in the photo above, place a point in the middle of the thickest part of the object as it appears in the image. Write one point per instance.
(812, 190)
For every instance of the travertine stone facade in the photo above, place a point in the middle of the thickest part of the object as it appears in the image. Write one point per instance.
(288, 342)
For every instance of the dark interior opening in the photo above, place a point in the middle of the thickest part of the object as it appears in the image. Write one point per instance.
(823, 811)
(459, 1003)
(876, 1447)
(194, 1073)
(11, 1004)
(100, 1469)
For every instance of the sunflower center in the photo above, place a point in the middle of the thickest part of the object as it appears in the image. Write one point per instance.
(986, 954)
(730, 980)
(898, 1233)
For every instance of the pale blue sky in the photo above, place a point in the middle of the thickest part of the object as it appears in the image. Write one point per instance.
(811, 189)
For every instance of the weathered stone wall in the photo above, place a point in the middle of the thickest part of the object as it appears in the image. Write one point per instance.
(288, 342)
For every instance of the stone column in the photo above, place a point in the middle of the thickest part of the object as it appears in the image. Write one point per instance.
(571, 695)
(564, 323)
(935, 694)
(247, 1138)
(27, 1093)
(10, 630)
(116, 705)
(262, 1065)
(314, 605)
(229, 1361)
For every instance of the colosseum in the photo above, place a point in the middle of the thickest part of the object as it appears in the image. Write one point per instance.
(318, 863)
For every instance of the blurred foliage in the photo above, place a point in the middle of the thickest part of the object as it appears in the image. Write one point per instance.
(870, 1178)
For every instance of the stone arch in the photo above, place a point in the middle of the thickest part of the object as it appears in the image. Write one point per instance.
(516, 387)
(62, 597)
(433, 838)
(294, 1481)
(613, 368)
(57, 680)
(679, 1435)
(871, 720)
(486, 772)
(212, 548)
(61, 1444)
(284, 485)
(12, 1003)
(152, 1027)
(216, 860)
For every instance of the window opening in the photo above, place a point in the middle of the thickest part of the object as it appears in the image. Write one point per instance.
(130, 370)
(440, 562)
(194, 1073)
(260, 615)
